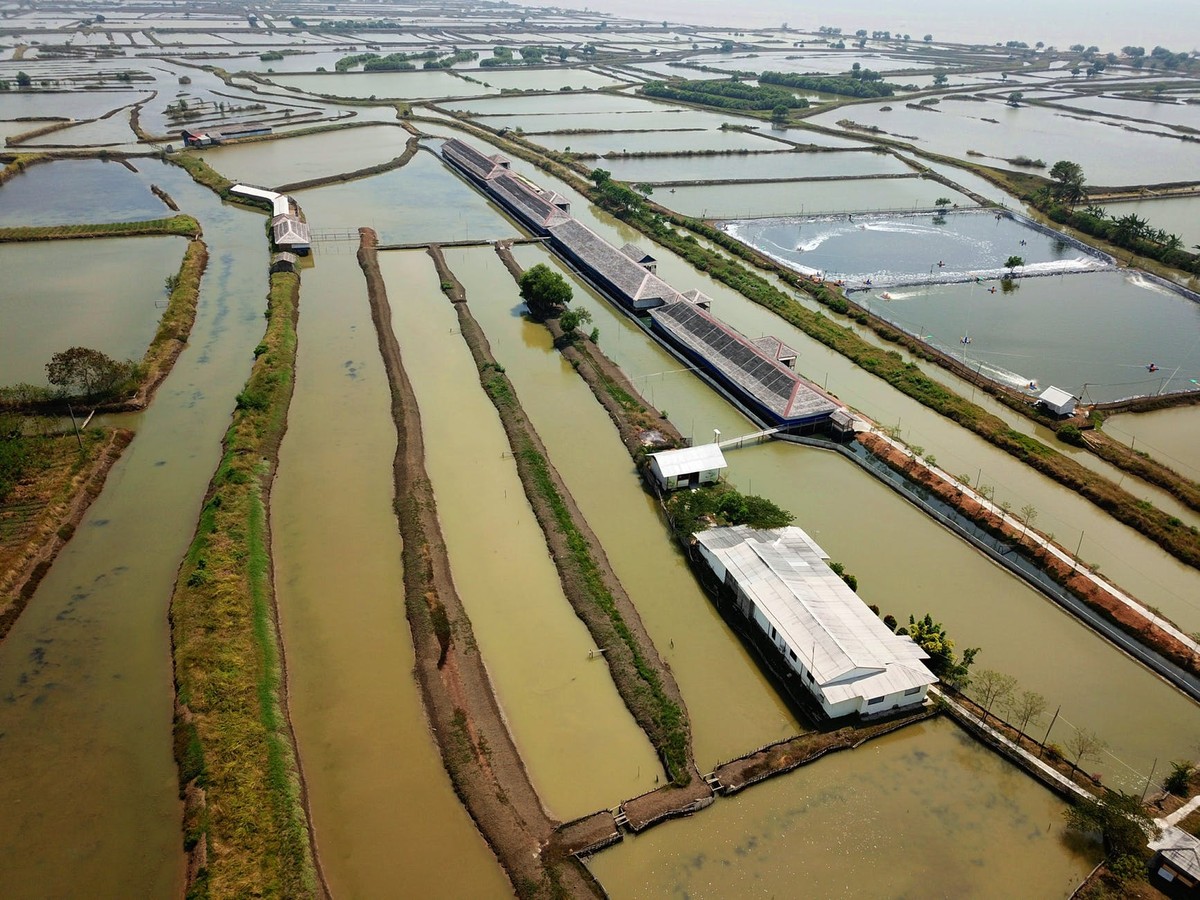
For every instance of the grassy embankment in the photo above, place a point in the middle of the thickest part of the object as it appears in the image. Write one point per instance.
(182, 226)
(19, 163)
(245, 824)
(588, 584)
(41, 507)
(206, 176)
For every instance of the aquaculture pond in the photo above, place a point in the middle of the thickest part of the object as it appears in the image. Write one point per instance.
(366, 85)
(745, 200)
(961, 129)
(1174, 215)
(280, 162)
(890, 250)
(786, 164)
(1169, 435)
(78, 192)
(1102, 336)
(925, 812)
(618, 143)
(91, 301)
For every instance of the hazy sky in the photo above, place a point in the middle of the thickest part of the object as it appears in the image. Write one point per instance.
(1110, 24)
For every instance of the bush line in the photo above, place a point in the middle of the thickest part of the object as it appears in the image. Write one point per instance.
(181, 226)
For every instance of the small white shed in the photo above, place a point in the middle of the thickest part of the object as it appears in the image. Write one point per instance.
(1058, 401)
(688, 467)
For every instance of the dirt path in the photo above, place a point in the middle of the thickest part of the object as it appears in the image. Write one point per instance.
(476, 746)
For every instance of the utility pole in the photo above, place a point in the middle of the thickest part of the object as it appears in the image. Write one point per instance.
(71, 412)
(1047, 737)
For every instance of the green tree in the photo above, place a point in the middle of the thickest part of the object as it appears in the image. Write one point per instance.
(82, 371)
(940, 78)
(1179, 782)
(1085, 744)
(941, 202)
(931, 637)
(1121, 820)
(1069, 181)
(1013, 262)
(544, 291)
(23, 80)
(779, 114)
(1015, 98)
(571, 319)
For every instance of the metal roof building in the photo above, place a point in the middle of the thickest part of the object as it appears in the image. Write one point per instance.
(776, 393)
(1058, 401)
(290, 233)
(688, 466)
(1177, 859)
(847, 659)
(281, 204)
(629, 281)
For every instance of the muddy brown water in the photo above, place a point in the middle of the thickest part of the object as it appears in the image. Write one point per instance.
(1171, 436)
(733, 708)
(89, 791)
(368, 757)
(923, 812)
(580, 744)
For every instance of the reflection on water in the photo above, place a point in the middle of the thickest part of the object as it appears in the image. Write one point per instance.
(78, 191)
(924, 812)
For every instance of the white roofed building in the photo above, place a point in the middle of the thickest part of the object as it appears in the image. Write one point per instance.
(1057, 401)
(687, 467)
(846, 658)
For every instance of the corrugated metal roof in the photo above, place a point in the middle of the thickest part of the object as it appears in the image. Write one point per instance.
(690, 459)
(1056, 396)
(849, 651)
(1181, 848)
(630, 279)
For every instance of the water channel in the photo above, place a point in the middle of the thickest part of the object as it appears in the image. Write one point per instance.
(90, 793)
(369, 759)
(580, 744)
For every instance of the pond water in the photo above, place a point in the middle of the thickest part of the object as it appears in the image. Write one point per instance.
(650, 117)
(68, 104)
(355, 707)
(894, 250)
(1038, 133)
(91, 302)
(580, 744)
(1094, 335)
(90, 791)
(733, 709)
(77, 192)
(574, 104)
(1166, 111)
(1169, 435)
(739, 200)
(656, 142)
(776, 165)
(401, 85)
(112, 131)
(450, 208)
(924, 812)
(522, 79)
(309, 156)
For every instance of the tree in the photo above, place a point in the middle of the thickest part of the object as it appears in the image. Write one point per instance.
(1028, 705)
(86, 372)
(931, 637)
(940, 78)
(1119, 817)
(1013, 262)
(544, 291)
(23, 80)
(992, 686)
(927, 38)
(779, 114)
(571, 319)
(1068, 181)
(1179, 782)
(1028, 514)
(1085, 744)
(942, 201)
(1015, 98)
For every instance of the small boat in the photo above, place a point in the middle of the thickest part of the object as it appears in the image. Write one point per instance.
(1152, 368)
(966, 339)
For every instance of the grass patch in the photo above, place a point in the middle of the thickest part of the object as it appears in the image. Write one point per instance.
(231, 735)
(181, 226)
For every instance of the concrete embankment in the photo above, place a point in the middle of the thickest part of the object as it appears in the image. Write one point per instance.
(476, 746)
